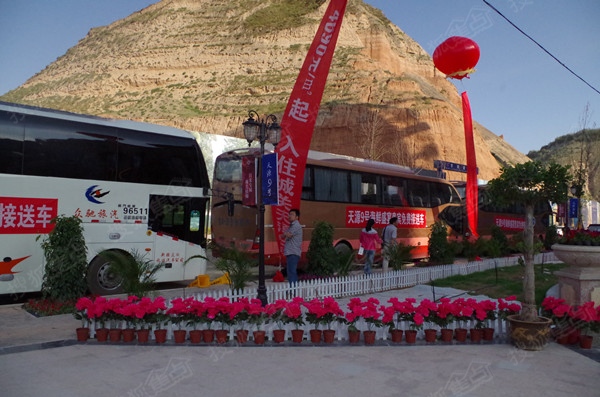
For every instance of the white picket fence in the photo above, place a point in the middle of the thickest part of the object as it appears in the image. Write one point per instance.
(357, 285)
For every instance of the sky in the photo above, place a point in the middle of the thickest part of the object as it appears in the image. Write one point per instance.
(518, 91)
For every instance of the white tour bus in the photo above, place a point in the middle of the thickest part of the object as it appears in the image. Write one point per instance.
(137, 187)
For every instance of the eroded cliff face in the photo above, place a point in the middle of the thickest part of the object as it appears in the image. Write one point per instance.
(201, 65)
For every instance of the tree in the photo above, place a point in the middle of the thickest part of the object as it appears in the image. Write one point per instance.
(529, 184)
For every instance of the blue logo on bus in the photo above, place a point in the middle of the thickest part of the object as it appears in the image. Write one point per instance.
(93, 194)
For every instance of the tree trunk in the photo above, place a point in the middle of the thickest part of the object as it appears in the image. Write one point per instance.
(529, 312)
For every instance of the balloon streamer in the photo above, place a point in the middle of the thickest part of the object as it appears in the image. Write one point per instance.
(472, 191)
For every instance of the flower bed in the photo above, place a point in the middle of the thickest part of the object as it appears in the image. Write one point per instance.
(366, 315)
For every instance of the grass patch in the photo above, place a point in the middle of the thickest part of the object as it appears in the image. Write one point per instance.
(509, 281)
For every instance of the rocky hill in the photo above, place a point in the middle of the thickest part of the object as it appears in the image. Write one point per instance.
(201, 65)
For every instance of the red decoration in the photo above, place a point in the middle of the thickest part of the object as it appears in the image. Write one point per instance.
(278, 277)
(456, 57)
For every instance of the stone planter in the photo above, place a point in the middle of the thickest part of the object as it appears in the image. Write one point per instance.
(580, 281)
(578, 255)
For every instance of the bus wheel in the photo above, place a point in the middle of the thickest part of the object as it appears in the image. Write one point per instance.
(102, 281)
(343, 249)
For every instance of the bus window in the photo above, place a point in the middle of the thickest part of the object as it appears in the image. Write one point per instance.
(228, 170)
(308, 189)
(331, 185)
(194, 221)
(368, 188)
(419, 193)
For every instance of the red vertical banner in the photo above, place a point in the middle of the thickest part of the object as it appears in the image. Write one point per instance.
(472, 191)
(300, 115)
(248, 180)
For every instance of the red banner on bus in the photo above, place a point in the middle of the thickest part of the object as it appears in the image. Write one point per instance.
(22, 215)
(510, 223)
(407, 218)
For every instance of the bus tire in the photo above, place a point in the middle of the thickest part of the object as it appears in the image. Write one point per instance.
(343, 248)
(101, 281)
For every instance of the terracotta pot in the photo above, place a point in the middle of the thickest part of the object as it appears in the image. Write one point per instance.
(529, 335)
(259, 337)
(586, 341)
(102, 334)
(297, 335)
(128, 335)
(369, 337)
(430, 335)
(114, 334)
(242, 336)
(222, 335)
(329, 336)
(476, 334)
(208, 335)
(397, 335)
(315, 335)
(196, 336)
(573, 336)
(83, 334)
(179, 335)
(160, 335)
(143, 335)
(488, 334)
(279, 335)
(353, 337)
(411, 336)
(460, 334)
(447, 334)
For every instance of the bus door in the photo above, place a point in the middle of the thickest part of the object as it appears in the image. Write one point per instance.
(179, 217)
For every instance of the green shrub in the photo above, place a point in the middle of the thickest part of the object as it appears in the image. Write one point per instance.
(237, 264)
(499, 236)
(440, 250)
(137, 273)
(66, 262)
(551, 237)
(321, 255)
(398, 255)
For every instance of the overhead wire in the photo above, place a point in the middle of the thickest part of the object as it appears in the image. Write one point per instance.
(541, 46)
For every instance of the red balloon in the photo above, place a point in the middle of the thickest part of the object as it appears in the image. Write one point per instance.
(456, 57)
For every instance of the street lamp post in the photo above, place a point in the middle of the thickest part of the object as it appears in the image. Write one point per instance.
(263, 130)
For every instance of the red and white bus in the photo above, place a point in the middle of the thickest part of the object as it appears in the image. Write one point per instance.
(135, 186)
(341, 190)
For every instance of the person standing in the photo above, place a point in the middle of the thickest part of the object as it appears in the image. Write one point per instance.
(369, 238)
(389, 235)
(293, 245)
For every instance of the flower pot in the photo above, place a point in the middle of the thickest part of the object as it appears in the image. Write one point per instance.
(279, 335)
(242, 336)
(143, 335)
(369, 337)
(179, 335)
(430, 335)
(488, 334)
(329, 336)
(460, 334)
(196, 336)
(208, 335)
(529, 335)
(102, 334)
(447, 334)
(160, 335)
(573, 336)
(222, 335)
(410, 335)
(83, 334)
(315, 335)
(586, 341)
(476, 334)
(353, 337)
(114, 334)
(297, 335)
(128, 335)
(259, 337)
(396, 335)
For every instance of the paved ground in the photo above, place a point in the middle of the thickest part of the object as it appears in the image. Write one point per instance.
(39, 357)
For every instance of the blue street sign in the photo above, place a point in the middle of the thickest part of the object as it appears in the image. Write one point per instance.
(573, 206)
(270, 191)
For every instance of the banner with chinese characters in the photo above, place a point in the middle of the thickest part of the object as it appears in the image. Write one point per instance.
(269, 179)
(407, 218)
(22, 215)
(248, 181)
(298, 121)
(510, 223)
